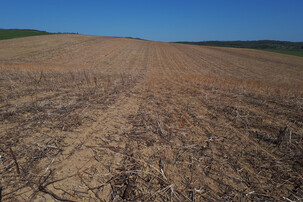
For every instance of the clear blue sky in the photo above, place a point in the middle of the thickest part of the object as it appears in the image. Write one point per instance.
(161, 20)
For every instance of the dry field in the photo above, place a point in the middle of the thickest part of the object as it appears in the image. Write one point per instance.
(86, 118)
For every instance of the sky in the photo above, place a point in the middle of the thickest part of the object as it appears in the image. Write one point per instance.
(161, 20)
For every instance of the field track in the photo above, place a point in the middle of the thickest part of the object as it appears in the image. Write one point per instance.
(102, 118)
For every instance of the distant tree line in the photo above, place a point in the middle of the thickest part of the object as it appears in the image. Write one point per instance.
(67, 33)
(262, 44)
(129, 37)
(17, 33)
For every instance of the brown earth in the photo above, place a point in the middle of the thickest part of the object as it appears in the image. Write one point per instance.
(87, 118)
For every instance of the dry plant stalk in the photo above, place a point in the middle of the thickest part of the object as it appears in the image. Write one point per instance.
(15, 160)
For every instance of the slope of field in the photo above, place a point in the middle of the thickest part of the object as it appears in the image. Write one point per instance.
(87, 118)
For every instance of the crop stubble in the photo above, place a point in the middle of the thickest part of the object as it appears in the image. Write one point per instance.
(101, 118)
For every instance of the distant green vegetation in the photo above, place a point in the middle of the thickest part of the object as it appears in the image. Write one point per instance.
(17, 33)
(285, 47)
(129, 37)
(288, 52)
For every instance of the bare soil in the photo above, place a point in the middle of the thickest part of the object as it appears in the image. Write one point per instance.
(87, 118)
